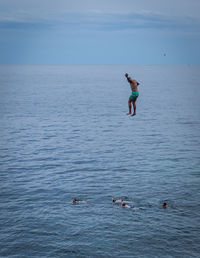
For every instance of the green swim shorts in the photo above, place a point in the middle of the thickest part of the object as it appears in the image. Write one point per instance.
(134, 95)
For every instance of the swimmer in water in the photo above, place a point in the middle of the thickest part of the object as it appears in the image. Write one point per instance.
(78, 201)
(124, 205)
(120, 201)
(74, 200)
(164, 205)
(117, 201)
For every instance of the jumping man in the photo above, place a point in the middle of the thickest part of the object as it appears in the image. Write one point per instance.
(133, 97)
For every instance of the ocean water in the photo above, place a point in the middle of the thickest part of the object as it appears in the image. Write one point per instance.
(65, 134)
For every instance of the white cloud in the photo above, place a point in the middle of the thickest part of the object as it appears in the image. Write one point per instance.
(99, 21)
(43, 9)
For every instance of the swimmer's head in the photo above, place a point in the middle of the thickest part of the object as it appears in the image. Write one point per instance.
(74, 200)
(123, 204)
(164, 205)
(113, 199)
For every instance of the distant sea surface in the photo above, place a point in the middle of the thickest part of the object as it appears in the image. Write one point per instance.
(65, 134)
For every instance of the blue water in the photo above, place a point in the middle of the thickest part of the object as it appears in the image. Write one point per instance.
(65, 133)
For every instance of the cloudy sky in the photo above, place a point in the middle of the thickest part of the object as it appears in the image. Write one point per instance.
(99, 31)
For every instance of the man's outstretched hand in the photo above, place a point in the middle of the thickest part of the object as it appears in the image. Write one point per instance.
(126, 75)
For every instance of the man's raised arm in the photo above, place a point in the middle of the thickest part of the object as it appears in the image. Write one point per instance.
(128, 78)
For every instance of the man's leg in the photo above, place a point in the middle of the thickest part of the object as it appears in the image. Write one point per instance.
(129, 106)
(134, 108)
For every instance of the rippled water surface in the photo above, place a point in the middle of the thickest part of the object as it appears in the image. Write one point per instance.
(65, 133)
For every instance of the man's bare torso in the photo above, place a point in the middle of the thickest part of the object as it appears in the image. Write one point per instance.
(134, 85)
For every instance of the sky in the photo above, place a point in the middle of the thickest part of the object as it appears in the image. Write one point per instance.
(99, 31)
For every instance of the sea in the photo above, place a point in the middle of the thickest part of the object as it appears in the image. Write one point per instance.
(64, 134)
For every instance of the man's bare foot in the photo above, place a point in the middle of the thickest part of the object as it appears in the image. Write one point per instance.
(128, 113)
(134, 114)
